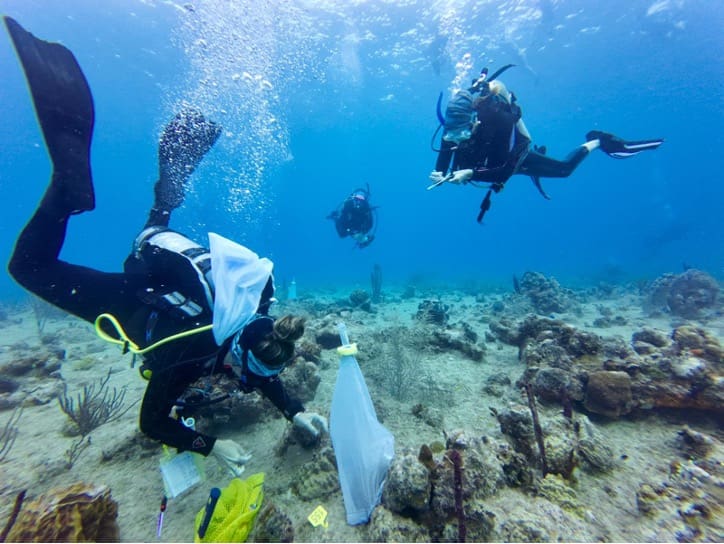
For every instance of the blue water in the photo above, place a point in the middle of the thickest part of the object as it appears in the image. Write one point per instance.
(320, 97)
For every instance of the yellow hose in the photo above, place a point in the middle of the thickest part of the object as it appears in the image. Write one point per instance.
(130, 345)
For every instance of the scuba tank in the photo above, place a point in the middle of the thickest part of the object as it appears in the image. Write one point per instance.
(459, 117)
(459, 114)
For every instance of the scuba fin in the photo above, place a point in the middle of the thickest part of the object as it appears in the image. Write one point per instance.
(184, 142)
(536, 179)
(615, 147)
(64, 107)
(536, 182)
(484, 205)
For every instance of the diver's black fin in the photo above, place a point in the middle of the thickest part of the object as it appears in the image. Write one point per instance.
(484, 205)
(184, 142)
(64, 107)
(615, 147)
(536, 182)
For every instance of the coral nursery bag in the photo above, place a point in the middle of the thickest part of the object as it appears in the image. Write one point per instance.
(364, 448)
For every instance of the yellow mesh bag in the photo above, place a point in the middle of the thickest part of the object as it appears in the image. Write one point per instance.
(235, 511)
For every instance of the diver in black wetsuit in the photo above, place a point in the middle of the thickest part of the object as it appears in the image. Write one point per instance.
(354, 218)
(168, 285)
(485, 140)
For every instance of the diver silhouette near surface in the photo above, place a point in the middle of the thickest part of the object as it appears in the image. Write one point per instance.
(176, 303)
(485, 141)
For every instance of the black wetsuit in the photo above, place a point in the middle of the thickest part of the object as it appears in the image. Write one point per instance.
(494, 155)
(134, 298)
(355, 217)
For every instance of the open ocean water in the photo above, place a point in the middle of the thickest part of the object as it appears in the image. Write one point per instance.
(317, 98)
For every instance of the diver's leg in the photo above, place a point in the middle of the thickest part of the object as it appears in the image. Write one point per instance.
(79, 290)
(184, 142)
(64, 106)
(536, 164)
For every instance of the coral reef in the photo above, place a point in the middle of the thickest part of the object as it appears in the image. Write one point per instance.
(32, 376)
(318, 478)
(687, 295)
(682, 370)
(387, 526)
(360, 298)
(301, 379)
(408, 486)
(527, 518)
(546, 294)
(78, 513)
(433, 312)
(427, 490)
(608, 393)
(452, 491)
(688, 505)
(554, 488)
(327, 336)
(457, 340)
(569, 444)
(272, 525)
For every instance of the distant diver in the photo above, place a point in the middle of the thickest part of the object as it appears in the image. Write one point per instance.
(485, 141)
(355, 217)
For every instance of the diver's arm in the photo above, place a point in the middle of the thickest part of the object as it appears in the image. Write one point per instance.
(274, 390)
(155, 421)
(444, 157)
(501, 174)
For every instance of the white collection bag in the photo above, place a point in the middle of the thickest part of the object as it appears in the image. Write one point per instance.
(364, 448)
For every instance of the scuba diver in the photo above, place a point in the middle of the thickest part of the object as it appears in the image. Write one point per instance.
(177, 304)
(354, 218)
(485, 141)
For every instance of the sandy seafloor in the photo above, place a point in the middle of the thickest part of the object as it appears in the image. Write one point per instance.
(644, 443)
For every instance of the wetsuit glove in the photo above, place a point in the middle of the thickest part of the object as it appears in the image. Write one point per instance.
(231, 455)
(461, 176)
(311, 424)
(437, 176)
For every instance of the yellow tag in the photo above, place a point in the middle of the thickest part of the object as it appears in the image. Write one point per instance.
(319, 517)
(349, 349)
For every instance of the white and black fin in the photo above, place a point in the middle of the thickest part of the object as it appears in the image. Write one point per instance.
(617, 148)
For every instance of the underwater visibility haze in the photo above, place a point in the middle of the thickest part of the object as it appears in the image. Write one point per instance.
(318, 98)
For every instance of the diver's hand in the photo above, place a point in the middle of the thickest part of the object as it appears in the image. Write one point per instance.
(311, 424)
(461, 176)
(437, 177)
(231, 455)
